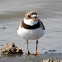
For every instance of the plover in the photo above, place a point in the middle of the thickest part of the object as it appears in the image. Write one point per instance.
(31, 28)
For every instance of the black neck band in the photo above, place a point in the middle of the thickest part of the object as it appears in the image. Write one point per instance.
(31, 27)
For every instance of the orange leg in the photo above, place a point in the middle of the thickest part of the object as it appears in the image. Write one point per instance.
(27, 48)
(36, 48)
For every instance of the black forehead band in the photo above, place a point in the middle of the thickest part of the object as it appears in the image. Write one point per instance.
(33, 13)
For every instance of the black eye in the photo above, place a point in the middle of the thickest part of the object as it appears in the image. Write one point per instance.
(28, 15)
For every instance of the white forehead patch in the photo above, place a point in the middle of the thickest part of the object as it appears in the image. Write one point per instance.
(33, 15)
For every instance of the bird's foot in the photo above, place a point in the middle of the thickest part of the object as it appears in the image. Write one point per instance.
(36, 53)
(28, 52)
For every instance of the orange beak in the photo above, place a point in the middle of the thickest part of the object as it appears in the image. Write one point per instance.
(34, 18)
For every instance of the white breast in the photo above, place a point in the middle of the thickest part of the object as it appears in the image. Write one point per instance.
(31, 34)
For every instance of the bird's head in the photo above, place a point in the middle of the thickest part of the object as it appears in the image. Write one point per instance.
(31, 18)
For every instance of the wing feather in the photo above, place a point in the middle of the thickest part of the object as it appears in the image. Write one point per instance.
(20, 24)
(41, 24)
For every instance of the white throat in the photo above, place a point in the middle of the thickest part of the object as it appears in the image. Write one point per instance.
(30, 22)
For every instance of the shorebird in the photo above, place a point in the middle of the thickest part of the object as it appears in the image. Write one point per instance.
(31, 28)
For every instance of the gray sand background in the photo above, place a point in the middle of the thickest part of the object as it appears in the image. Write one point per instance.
(49, 11)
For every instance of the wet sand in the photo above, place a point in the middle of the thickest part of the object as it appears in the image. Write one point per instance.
(30, 58)
(50, 40)
(49, 11)
(8, 34)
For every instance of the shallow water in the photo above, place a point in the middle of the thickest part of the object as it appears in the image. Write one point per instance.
(49, 11)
